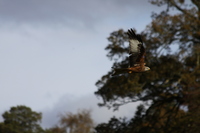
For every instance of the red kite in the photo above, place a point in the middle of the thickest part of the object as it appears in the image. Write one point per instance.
(136, 55)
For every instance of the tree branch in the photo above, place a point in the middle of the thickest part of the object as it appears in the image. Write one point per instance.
(182, 10)
(197, 3)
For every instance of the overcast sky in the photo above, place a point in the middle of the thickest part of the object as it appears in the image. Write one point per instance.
(52, 53)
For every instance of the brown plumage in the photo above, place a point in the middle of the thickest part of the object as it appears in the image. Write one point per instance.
(136, 55)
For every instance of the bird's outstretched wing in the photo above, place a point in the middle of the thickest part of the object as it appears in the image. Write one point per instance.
(136, 55)
(136, 49)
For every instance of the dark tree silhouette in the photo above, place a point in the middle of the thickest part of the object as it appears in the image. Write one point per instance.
(170, 92)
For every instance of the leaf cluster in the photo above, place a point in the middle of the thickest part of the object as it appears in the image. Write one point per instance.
(170, 91)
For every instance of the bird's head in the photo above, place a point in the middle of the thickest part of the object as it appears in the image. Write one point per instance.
(146, 68)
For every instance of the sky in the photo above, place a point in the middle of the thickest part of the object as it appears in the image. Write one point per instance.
(52, 53)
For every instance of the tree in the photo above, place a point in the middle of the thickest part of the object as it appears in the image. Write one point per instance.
(75, 123)
(57, 129)
(21, 119)
(170, 91)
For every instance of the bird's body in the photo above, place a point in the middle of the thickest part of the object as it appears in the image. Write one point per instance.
(136, 55)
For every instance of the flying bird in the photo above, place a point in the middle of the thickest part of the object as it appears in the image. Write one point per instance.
(136, 55)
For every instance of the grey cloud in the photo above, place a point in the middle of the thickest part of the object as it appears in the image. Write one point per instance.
(99, 114)
(34, 49)
(84, 12)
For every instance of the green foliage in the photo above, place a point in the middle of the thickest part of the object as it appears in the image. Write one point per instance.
(21, 119)
(117, 47)
(170, 91)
